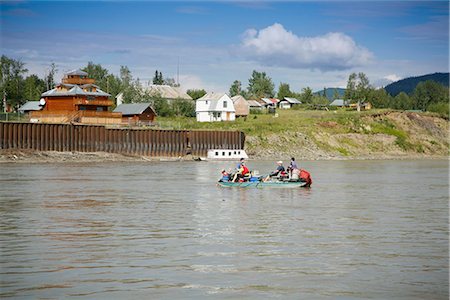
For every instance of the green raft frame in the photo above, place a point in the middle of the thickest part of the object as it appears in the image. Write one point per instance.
(261, 184)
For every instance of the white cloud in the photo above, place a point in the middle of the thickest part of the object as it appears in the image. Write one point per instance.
(275, 46)
(392, 77)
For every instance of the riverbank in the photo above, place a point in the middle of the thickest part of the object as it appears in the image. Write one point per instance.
(306, 135)
(339, 134)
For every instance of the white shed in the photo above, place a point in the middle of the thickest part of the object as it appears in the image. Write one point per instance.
(215, 107)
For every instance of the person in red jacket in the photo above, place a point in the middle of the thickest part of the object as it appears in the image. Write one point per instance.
(241, 172)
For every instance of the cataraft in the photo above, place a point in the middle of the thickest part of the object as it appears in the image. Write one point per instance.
(304, 180)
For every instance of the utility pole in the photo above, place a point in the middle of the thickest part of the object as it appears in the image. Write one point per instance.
(178, 72)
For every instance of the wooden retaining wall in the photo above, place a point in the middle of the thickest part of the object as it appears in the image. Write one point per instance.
(91, 138)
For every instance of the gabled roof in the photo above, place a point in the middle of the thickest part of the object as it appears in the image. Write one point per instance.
(167, 92)
(76, 72)
(212, 96)
(291, 100)
(254, 103)
(75, 90)
(338, 102)
(133, 108)
(30, 105)
(238, 98)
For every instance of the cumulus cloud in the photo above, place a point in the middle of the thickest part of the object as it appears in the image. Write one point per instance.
(392, 77)
(275, 46)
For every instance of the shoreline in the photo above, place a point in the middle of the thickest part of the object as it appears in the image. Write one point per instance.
(35, 157)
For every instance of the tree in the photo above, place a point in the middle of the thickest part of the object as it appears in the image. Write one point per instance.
(235, 88)
(33, 87)
(335, 94)
(429, 92)
(183, 108)
(158, 78)
(125, 76)
(12, 81)
(260, 85)
(358, 87)
(50, 76)
(307, 95)
(284, 91)
(170, 82)
(196, 94)
(402, 101)
(97, 72)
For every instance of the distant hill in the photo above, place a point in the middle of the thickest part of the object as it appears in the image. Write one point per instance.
(330, 93)
(408, 85)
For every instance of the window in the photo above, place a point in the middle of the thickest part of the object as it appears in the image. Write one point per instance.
(225, 104)
(217, 153)
(206, 101)
(99, 108)
(229, 153)
(223, 153)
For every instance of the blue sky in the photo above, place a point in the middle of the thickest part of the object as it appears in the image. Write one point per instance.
(303, 43)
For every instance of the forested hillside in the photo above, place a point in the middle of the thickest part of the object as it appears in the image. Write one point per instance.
(408, 85)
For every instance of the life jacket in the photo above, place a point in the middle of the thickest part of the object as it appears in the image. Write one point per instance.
(245, 170)
(306, 177)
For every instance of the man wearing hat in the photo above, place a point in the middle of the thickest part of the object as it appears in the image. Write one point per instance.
(278, 171)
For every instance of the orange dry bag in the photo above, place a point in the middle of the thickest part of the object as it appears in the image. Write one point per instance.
(306, 177)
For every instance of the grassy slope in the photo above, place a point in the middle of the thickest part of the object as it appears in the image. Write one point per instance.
(326, 134)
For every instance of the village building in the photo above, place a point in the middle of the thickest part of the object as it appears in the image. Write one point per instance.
(137, 113)
(214, 107)
(339, 103)
(269, 102)
(288, 103)
(76, 99)
(29, 107)
(361, 106)
(241, 106)
(253, 104)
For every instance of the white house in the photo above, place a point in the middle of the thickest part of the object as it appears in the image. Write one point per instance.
(215, 107)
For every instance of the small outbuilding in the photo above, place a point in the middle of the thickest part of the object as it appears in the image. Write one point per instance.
(339, 103)
(241, 106)
(30, 106)
(137, 113)
(288, 103)
(253, 104)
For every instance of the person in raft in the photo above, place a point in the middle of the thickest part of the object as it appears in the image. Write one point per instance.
(292, 167)
(242, 172)
(278, 171)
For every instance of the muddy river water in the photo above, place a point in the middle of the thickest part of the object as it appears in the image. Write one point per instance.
(164, 230)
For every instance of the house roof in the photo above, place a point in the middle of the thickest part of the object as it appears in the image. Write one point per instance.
(30, 105)
(74, 90)
(270, 101)
(338, 102)
(133, 108)
(167, 91)
(238, 98)
(212, 96)
(76, 72)
(254, 103)
(292, 100)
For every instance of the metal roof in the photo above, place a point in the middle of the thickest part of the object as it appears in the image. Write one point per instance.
(75, 90)
(30, 105)
(167, 91)
(133, 108)
(254, 103)
(338, 102)
(76, 72)
(292, 100)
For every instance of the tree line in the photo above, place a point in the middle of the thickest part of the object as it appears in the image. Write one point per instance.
(17, 88)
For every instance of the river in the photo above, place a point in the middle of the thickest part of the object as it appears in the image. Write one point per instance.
(164, 230)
